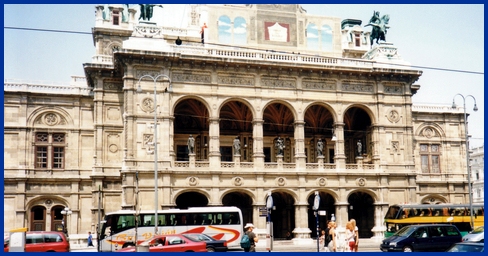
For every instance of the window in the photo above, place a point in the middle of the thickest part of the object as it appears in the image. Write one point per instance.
(430, 158)
(50, 150)
(357, 39)
(116, 16)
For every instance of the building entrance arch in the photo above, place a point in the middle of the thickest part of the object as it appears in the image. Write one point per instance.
(327, 202)
(361, 209)
(242, 201)
(283, 217)
(191, 199)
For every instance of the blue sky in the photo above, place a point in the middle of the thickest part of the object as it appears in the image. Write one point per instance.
(437, 36)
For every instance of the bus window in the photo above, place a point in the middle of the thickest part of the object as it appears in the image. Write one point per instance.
(392, 212)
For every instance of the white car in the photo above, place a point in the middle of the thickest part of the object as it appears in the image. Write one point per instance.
(477, 235)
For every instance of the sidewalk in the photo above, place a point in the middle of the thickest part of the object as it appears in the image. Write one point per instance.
(280, 246)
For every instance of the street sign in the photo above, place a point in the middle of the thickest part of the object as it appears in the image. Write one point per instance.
(316, 202)
(263, 212)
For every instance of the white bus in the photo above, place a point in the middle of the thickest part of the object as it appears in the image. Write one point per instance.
(119, 228)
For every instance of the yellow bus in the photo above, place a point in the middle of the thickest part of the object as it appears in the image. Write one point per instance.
(401, 215)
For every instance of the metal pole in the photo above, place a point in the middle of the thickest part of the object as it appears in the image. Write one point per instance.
(99, 213)
(318, 234)
(467, 152)
(155, 160)
(155, 147)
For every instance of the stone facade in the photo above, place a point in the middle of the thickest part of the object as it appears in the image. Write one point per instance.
(97, 134)
(477, 158)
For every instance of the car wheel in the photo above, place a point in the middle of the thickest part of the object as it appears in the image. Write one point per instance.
(210, 249)
(407, 249)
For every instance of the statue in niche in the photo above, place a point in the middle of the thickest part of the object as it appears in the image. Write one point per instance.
(320, 148)
(191, 145)
(237, 146)
(360, 148)
(279, 146)
(147, 11)
(380, 25)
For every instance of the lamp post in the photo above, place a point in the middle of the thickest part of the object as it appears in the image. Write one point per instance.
(155, 145)
(475, 108)
(66, 211)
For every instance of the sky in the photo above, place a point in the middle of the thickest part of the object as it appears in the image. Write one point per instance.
(433, 37)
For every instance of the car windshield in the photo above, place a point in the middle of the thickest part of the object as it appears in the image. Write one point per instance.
(467, 248)
(478, 230)
(405, 231)
(195, 237)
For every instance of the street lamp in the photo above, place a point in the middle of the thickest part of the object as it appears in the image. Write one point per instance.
(155, 145)
(66, 211)
(475, 108)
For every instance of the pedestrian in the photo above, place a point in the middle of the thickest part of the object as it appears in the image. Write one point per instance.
(350, 235)
(334, 243)
(90, 239)
(322, 240)
(327, 238)
(252, 237)
(356, 237)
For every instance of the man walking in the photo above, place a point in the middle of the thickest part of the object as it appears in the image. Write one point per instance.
(90, 239)
(252, 237)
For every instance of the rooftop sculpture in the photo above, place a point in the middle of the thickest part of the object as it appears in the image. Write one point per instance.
(380, 25)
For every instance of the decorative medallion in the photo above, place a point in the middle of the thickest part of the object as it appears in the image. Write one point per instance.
(192, 181)
(238, 181)
(428, 132)
(280, 181)
(113, 148)
(393, 116)
(147, 104)
(321, 181)
(49, 202)
(361, 182)
(51, 119)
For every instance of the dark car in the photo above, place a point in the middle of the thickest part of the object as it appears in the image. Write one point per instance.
(467, 247)
(43, 241)
(417, 238)
(213, 245)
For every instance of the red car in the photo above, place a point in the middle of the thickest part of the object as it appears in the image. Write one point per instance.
(43, 241)
(171, 243)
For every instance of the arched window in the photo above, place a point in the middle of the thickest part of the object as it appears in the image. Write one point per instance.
(312, 37)
(326, 38)
(225, 30)
(240, 31)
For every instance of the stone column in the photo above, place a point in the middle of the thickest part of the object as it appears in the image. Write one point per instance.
(279, 160)
(214, 143)
(379, 228)
(341, 217)
(300, 157)
(301, 233)
(340, 157)
(258, 153)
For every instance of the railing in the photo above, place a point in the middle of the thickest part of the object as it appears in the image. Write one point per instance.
(247, 165)
(329, 166)
(270, 165)
(103, 59)
(271, 56)
(202, 164)
(227, 164)
(312, 166)
(13, 85)
(352, 167)
(289, 165)
(182, 164)
(436, 108)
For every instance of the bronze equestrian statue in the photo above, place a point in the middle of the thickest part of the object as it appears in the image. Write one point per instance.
(380, 25)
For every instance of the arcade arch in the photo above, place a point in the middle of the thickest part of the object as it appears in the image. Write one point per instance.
(319, 122)
(358, 134)
(279, 121)
(283, 217)
(327, 204)
(361, 208)
(191, 199)
(242, 201)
